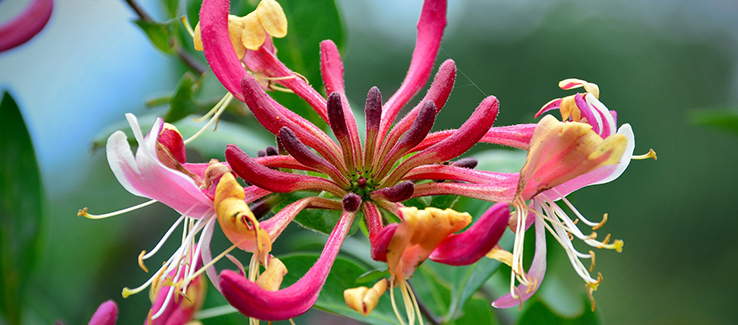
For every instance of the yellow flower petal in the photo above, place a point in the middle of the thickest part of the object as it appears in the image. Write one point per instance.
(236, 219)
(271, 279)
(253, 34)
(235, 28)
(363, 299)
(197, 38)
(272, 18)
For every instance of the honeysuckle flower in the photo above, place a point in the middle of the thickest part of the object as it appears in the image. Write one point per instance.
(349, 168)
(562, 157)
(159, 171)
(26, 25)
(106, 314)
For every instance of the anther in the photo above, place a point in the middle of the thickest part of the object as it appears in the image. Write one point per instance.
(261, 153)
(351, 202)
(141, 261)
(602, 223)
(650, 154)
(466, 163)
(591, 267)
(272, 151)
(397, 193)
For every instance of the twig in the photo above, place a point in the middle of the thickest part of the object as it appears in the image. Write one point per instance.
(433, 319)
(188, 59)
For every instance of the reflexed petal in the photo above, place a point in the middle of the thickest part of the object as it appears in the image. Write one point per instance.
(146, 176)
(254, 301)
(475, 242)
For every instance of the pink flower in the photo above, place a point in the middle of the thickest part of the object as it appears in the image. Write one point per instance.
(106, 314)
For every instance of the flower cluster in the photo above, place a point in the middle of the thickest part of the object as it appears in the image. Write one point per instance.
(370, 178)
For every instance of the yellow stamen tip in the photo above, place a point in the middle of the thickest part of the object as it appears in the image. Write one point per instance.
(618, 245)
(141, 261)
(82, 212)
(602, 223)
(127, 292)
(650, 154)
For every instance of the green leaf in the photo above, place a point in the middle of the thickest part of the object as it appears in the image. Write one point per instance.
(162, 35)
(342, 276)
(720, 119)
(443, 201)
(181, 103)
(171, 6)
(538, 313)
(21, 209)
(477, 311)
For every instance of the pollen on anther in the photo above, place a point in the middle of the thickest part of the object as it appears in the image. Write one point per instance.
(591, 267)
(141, 261)
(602, 223)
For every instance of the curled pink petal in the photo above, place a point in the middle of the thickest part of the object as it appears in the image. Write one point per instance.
(516, 136)
(535, 274)
(26, 25)
(382, 241)
(331, 67)
(146, 176)
(414, 135)
(217, 46)
(456, 173)
(431, 24)
(253, 301)
(303, 154)
(475, 242)
(397, 193)
(274, 180)
(276, 224)
(106, 314)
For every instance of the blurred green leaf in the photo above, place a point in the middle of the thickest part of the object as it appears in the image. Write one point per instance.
(443, 201)
(171, 6)
(538, 313)
(721, 119)
(477, 311)
(500, 160)
(181, 103)
(193, 12)
(162, 35)
(21, 209)
(341, 277)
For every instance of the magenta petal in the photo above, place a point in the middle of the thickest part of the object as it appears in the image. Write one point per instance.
(382, 241)
(274, 180)
(276, 224)
(273, 117)
(106, 314)
(372, 219)
(431, 24)
(26, 25)
(535, 274)
(503, 191)
(217, 46)
(516, 136)
(253, 301)
(146, 176)
(456, 173)
(331, 67)
(475, 242)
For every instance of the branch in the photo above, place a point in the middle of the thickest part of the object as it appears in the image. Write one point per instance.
(186, 57)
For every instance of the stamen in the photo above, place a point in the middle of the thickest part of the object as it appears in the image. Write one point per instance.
(589, 293)
(141, 261)
(238, 263)
(83, 212)
(591, 267)
(392, 299)
(607, 239)
(212, 110)
(128, 292)
(221, 106)
(650, 154)
(163, 239)
(217, 258)
(187, 26)
(602, 223)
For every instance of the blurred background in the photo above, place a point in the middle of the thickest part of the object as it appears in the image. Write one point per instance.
(657, 62)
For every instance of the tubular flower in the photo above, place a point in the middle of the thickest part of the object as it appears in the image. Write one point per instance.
(352, 175)
(159, 171)
(26, 25)
(563, 157)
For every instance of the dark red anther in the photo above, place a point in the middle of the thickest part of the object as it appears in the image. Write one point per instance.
(272, 151)
(351, 202)
(466, 163)
(261, 153)
(304, 155)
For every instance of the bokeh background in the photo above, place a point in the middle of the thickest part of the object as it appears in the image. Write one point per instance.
(656, 62)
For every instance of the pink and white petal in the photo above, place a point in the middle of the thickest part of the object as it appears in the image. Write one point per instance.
(535, 274)
(608, 118)
(205, 237)
(602, 175)
(593, 118)
(146, 176)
